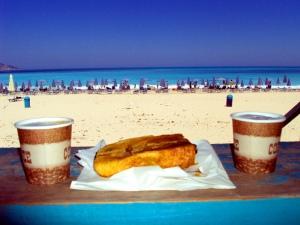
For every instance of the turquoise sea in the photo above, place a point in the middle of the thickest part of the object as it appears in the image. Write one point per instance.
(153, 75)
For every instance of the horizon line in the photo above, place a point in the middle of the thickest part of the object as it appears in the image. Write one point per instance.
(137, 67)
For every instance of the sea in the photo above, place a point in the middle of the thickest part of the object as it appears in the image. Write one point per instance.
(277, 75)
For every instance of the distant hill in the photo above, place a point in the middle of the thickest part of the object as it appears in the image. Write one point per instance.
(4, 67)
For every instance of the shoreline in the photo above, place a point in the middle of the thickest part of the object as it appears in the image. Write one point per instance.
(248, 75)
(112, 117)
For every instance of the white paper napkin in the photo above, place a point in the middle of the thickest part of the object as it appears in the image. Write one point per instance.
(213, 174)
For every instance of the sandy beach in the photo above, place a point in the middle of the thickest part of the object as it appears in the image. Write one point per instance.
(113, 117)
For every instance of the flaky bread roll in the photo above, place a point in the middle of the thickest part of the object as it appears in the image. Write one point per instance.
(164, 151)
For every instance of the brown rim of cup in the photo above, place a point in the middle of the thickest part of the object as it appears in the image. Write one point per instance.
(44, 130)
(273, 117)
(43, 123)
(269, 124)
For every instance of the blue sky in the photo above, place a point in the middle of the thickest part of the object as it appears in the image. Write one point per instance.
(135, 33)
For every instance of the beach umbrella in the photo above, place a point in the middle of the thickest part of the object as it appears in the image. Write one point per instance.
(115, 84)
(87, 84)
(285, 79)
(231, 83)
(259, 82)
(53, 84)
(188, 81)
(162, 83)
(102, 82)
(16, 86)
(288, 83)
(71, 86)
(11, 84)
(1, 87)
(28, 84)
(23, 86)
(36, 83)
(213, 81)
(278, 81)
(142, 82)
(242, 83)
(266, 81)
(96, 81)
(237, 80)
(79, 84)
(182, 83)
(124, 84)
(195, 82)
(62, 84)
(41, 85)
(250, 82)
(221, 80)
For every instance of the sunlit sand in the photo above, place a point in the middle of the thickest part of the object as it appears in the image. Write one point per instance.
(117, 116)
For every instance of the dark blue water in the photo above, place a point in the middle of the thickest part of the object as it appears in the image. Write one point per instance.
(152, 75)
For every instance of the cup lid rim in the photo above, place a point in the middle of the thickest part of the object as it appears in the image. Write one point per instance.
(274, 117)
(25, 124)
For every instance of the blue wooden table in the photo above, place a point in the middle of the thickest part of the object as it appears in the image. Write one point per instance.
(258, 199)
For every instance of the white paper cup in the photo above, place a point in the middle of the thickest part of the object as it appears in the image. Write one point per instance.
(256, 139)
(45, 146)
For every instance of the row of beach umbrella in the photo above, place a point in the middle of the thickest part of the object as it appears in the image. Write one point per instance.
(60, 84)
(237, 81)
(41, 84)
